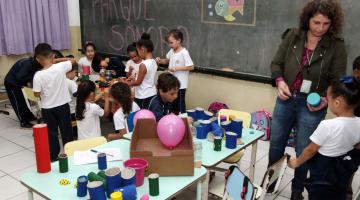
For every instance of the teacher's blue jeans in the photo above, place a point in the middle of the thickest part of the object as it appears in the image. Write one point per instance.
(288, 114)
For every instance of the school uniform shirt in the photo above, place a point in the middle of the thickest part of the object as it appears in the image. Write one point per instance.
(52, 85)
(180, 59)
(85, 62)
(159, 108)
(90, 126)
(72, 86)
(22, 72)
(337, 136)
(118, 66)
(147, 88)
(130, 63)
(115, 64)
(119, 117)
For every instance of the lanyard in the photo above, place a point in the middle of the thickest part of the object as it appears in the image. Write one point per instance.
(307, 57)
(307, 54)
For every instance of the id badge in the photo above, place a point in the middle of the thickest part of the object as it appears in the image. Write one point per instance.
(305, 86)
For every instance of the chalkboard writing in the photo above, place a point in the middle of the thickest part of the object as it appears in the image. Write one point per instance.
(238, 35)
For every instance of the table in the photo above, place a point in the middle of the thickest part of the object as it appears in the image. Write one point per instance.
(211, 158)
(47, 185)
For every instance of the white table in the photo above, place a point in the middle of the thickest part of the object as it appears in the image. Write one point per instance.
(47, 185)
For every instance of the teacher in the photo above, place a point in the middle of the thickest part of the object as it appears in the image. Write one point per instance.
(307, 60)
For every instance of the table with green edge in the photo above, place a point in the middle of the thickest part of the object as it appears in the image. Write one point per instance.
(211, 158)
(47, 185)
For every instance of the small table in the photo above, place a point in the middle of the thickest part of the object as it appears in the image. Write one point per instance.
(211, 158)
(47, 185)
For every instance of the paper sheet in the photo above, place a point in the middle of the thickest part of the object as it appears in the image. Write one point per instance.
(87, 157)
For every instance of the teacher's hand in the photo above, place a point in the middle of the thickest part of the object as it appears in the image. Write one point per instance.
(322, 105)
(283, 90)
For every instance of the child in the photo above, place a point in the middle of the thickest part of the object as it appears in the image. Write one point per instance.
(88, 112)
(51, 85)
(132, 65)
(101, 62)
(330, 165)
(180, 64)
(356, 68)
(89, 49)
(72, 86)
(355, 153)
(124, 105)
(145, 81)
(168, 87)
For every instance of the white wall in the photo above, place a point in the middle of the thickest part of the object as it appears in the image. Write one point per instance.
(74, 12)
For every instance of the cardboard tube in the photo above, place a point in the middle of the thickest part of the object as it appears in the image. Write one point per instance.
(154, 184)
(42, 152)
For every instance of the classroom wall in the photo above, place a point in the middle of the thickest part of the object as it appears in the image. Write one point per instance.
(237, 94)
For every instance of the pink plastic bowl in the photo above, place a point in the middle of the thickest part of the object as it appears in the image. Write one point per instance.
(139, 165)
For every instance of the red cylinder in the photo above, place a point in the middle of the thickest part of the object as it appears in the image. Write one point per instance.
(86, 70)
(42, 151)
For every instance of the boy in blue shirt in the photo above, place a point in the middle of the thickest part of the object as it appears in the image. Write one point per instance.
(168, 86)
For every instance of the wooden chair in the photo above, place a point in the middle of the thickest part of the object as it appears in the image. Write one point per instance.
(82, 145)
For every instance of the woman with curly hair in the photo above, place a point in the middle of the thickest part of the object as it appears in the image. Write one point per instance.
(307, 60)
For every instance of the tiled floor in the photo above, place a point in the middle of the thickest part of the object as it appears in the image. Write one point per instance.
(17, 156)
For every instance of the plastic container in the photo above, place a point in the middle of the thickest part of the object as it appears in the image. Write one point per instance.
(139, 165)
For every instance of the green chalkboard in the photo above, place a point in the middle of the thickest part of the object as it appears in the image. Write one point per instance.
(238, 34)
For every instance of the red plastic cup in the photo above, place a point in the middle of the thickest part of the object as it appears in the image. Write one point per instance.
(139, 165)
(86, 70)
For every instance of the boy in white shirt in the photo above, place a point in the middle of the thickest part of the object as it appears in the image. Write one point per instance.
(331, 166)
(50, 84)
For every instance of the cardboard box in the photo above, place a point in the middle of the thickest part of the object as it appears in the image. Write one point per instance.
(146, 144)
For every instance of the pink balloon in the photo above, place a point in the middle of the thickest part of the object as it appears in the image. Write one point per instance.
(171, 130)
(143, 114)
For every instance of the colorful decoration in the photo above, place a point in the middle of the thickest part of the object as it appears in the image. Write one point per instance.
(227, 8)
(64, 182)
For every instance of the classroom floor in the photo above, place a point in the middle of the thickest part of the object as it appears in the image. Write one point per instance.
(17, 156)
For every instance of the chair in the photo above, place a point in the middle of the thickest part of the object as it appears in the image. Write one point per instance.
(32, 102)
(357, 194)
(246, 117)
(130, 123)
(273, 174)
(82, 145)
(235, 184)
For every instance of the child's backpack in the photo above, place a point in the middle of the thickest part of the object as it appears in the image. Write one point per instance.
(216, 106)
(261, 120)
